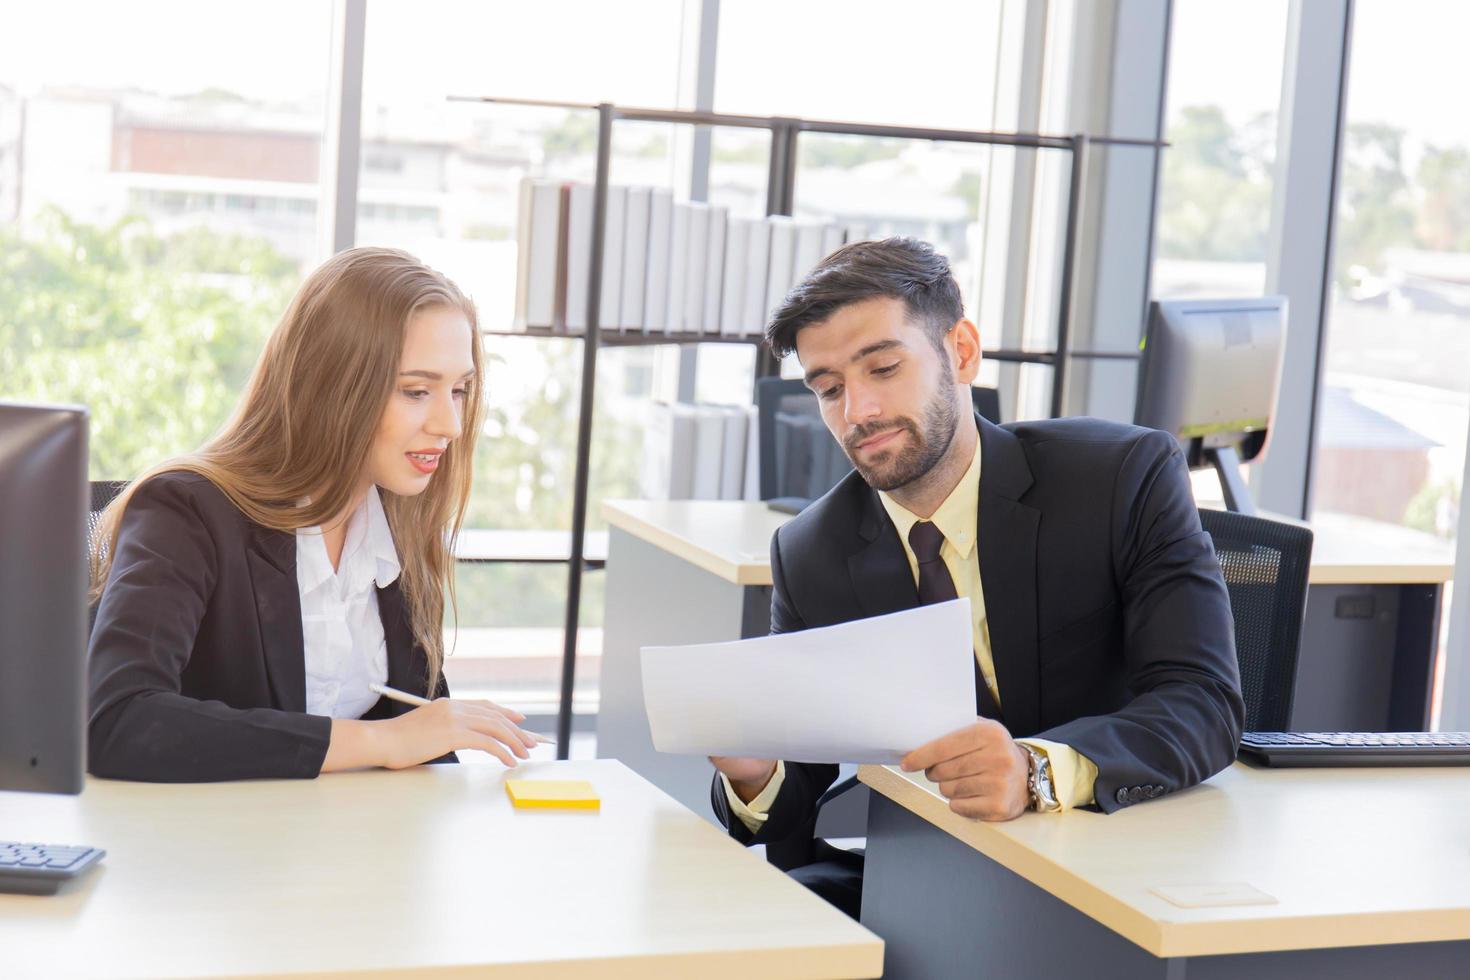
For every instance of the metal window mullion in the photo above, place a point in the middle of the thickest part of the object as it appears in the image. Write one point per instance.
(342, 134)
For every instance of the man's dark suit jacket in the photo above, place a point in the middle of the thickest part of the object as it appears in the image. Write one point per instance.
(1109, 621)
(196, 662)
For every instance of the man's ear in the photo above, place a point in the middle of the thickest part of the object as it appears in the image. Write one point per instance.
(964, 345)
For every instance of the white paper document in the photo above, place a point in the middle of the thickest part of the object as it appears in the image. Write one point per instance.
(868, 691)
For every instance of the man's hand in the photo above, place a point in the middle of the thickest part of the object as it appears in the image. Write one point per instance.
(747, 776)
(979, 769)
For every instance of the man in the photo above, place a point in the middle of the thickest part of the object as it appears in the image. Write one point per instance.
(1104, 646)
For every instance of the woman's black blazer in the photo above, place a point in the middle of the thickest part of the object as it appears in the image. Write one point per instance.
(196, 661)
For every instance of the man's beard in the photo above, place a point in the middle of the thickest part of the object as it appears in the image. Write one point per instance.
(927, 444)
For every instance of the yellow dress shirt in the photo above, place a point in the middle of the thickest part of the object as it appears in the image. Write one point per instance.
(1072, 773)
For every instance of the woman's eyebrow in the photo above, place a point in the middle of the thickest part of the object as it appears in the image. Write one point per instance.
(434, 375)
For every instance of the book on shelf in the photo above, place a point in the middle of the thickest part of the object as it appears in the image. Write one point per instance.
(660, 231)
(578, 200)
(809, 235)
(635, 257)
(610, 308)
(709, 452)
(678, 267)
(752, 476)
(753, 306)
(732, 456)
(697, 452)
(778, 263)
(668, 268)
(719, 220)
(732, 291)
(667, 470)
(538, 252)
(694, 269)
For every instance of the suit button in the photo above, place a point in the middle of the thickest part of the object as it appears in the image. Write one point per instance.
(1123, 797)
(1155, 791)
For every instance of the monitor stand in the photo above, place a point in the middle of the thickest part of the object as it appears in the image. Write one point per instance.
(1226, 462)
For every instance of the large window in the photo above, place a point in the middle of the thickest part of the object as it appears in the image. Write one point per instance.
(1390, 443)
(1225, 68)
(944, 63)
(157, 208)
(441, 178)
(929, 63)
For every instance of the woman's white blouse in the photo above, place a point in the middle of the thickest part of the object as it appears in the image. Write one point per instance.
(345, 649)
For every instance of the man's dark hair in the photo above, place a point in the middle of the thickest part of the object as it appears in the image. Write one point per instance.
(901, 268)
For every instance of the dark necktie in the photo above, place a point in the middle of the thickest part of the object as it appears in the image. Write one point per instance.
(936, 585)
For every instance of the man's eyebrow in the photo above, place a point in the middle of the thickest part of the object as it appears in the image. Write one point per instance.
(874, 348)
(434, 375)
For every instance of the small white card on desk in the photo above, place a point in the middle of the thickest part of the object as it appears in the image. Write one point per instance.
(870, 690)
(1213, 895)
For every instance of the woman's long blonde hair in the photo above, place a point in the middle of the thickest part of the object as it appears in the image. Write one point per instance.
(306, 422)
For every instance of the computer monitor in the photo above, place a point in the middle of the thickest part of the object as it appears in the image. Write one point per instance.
(43, 597)
(1210, 374)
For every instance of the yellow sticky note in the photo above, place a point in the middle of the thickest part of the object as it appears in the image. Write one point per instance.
(552, 794)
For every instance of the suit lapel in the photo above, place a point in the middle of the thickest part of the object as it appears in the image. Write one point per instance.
(880, 571)
(405, 669)
(1007, 531)
(272, 560)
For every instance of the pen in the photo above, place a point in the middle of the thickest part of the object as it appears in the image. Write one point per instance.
(394, 694)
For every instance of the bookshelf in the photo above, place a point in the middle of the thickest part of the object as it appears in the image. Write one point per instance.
(780, 199)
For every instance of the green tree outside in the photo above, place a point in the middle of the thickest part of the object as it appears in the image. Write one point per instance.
(1376, 208)
(155, 336)
(1443, 177)
(1215, 203)
(158, 335)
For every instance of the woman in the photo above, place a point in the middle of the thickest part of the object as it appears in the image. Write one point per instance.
(252, 591)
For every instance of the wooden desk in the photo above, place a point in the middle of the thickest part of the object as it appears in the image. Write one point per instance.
(403, 873)
(693, 571)
(731, 539)
(698, 571)
(528, 547)
(1370, 636)
(1368, 869)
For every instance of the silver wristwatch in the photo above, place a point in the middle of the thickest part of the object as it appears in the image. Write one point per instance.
(1038, 781)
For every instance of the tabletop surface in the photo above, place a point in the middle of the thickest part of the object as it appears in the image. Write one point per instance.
(732, 539)
(728, 538)
(427, 870)
(1345, 857)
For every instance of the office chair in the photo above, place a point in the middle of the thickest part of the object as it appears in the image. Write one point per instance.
(799, 460)
(104, 492)
(1265, 564)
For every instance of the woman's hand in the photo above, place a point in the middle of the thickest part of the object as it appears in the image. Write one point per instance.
(427, 732)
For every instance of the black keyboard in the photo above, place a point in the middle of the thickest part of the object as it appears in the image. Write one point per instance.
(1357, 748)
(39, 869)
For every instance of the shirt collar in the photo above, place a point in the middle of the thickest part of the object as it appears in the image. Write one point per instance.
(957, 517)
(380, 541)
(368, 551)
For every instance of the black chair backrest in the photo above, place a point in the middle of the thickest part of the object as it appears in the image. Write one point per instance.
(104, 492)
(1265, 564)
(798, 456)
